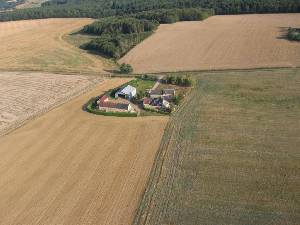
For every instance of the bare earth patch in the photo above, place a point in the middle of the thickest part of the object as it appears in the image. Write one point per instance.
(220, 42)
(26, 95)
(39, 45)
(72, 167)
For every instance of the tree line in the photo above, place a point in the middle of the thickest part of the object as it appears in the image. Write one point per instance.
(124, 25)
(174, 15)
(104, 8)
(117, 35)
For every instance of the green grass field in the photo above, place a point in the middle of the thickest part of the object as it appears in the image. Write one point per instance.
(142, 85)
(230, 155)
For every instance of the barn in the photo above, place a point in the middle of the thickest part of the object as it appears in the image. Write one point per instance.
(127, 92)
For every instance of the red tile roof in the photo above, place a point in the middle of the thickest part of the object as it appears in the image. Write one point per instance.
(147, 101)
(104, 98)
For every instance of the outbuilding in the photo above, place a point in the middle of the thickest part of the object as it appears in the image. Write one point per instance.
(127, 92)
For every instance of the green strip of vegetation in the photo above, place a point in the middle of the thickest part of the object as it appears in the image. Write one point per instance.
(165, 16)
(294, 34)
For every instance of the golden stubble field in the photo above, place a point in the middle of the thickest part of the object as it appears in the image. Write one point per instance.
(24, 96)
(39, 45)
(220, 42)
(72, 167)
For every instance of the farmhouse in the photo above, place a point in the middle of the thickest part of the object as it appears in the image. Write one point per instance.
(105, 105)
(168, 94)
(157, 103)
(127, 92)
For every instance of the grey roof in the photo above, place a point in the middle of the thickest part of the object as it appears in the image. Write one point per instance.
(169, 91)
(156, 92)
(122, 106)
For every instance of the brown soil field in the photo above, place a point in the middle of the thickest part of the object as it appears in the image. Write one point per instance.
(39, 45)
(220, 42)
(72, 167)
(24, 96)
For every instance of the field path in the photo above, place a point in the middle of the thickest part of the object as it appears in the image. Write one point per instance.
(72, 167)
(220, 42)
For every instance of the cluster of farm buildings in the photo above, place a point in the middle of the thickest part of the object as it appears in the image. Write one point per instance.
(155, 100)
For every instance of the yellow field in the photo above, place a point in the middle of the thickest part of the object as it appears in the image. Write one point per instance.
(72, 167)
(220, 42)
(38, 45)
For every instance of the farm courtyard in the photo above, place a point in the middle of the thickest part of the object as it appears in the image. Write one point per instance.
(219, 42)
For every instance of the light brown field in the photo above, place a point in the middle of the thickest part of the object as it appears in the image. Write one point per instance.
(39, 45)
(23, 96)
(72, 167)
(220, 42)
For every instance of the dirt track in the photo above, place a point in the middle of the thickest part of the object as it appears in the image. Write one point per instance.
(38, 45)
(220, 42)
(71, 167)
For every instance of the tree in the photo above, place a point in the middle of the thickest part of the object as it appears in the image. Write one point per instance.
(187, 82)
(178, 81)
(170, 80)
(126, 68)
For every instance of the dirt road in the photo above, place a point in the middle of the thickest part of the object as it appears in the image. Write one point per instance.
(220, 42)
(72, 167)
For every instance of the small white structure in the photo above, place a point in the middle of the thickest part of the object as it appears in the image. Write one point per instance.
(126, 92)
(166, 104)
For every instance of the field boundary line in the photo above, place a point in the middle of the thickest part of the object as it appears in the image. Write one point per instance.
(117, 75)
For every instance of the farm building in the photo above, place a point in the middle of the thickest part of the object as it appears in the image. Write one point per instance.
(127, 92)
(167, 94)
(158, 103)
(156, 93)
(105, 105)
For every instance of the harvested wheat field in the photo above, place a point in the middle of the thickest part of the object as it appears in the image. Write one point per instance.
(72, 167)
(220, 42)
(26, 95)
(39, 45)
